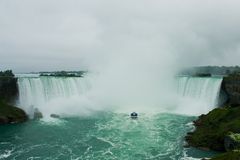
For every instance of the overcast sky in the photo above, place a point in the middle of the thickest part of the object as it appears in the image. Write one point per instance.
(37, 35)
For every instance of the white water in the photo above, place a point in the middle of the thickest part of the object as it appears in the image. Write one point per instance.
(60, 95)
(40, 92)
(200, 93)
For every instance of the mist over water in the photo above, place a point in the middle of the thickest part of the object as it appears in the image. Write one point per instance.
(128, 82)
(136, 48)
(89, 95)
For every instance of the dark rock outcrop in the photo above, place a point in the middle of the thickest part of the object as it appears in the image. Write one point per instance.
(8, 94)
(232, 142)
(231, 86)
(37, 114)
(55, 116)
(8, 88)
(10, 114)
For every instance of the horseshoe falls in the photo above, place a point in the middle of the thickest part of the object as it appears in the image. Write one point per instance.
(104, 134)
(195, 95)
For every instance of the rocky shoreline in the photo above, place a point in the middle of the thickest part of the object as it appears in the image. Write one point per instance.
(10, 114)
(218, 131)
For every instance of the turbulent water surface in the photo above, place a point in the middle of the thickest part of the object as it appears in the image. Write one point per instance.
(102, 136)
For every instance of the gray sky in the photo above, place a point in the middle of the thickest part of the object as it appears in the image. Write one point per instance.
(37, 35)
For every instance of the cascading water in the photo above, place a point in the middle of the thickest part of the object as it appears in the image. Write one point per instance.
(203, 92)
(196, 95)
(35, 92)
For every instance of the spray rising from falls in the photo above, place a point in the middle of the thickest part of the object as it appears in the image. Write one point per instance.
(71, 95)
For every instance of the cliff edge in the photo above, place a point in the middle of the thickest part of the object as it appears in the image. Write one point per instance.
(8, 95)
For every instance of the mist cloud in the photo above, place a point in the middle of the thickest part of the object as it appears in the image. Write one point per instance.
(74, 35)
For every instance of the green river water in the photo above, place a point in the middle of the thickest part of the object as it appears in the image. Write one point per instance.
(104, 136)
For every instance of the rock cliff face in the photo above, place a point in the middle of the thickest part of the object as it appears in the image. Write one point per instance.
(8, 88)
(231, 86)
(8, 94)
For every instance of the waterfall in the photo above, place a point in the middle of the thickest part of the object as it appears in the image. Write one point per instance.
(35, 92)
(203, 91)
(196, 95)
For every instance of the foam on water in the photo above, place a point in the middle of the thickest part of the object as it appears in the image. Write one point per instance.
(103, 136)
